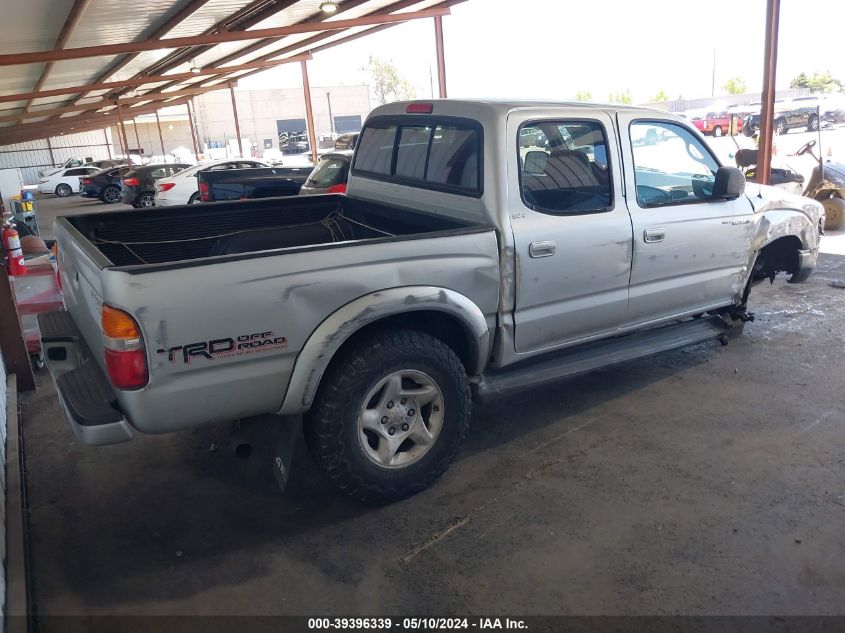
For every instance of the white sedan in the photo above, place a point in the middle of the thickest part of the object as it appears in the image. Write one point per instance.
(182, 187)
(65, 181)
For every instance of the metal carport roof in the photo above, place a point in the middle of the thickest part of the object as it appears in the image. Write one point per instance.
(67, 65)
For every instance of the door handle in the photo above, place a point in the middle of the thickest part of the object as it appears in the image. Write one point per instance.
(654, 235)
(545, 248)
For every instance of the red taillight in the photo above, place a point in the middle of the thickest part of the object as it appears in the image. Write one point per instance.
(341, 188)
(126, 360)
(204, 193)
(419, 108)
(87, 181)
(131, 182)
(165, 186)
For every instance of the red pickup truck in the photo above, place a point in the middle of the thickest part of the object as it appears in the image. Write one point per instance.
(717, 123)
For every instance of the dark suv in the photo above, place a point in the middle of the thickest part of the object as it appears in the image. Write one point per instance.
(139, 182)
(789, 116)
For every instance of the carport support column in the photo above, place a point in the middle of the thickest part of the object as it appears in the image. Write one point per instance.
(50, 149)
(193, 135)
(767, 112)
(441, 56)
(137, 139)
(235, 114)
(309, 112)
(160, 136)
(108, 144)
(123, 138)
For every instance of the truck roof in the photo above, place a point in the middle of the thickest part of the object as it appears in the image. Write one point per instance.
(503, 106)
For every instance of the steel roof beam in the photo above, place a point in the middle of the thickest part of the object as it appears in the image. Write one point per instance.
(180, 16)
(74, 125)
(176, 78)
(15, 59)
(105, 103)
(242, 20)
(71, 21)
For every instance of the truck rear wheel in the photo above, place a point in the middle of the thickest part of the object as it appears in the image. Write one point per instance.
(390, 415)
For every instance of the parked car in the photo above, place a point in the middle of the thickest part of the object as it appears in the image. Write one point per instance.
(104, 184)
(183, 188)
(138, 184)
(346, 142)
(717, 123)
(450, 271)
(329, 176)
(64, 182)
(801, 113)
(243, 184)
(82, 162)
(69, 163)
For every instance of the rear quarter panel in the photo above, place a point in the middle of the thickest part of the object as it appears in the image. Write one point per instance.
(282, 298)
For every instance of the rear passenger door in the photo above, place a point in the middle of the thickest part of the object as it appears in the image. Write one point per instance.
(571, 228)
(690, 251)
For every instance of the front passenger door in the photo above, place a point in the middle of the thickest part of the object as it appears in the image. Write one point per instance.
(690, 251)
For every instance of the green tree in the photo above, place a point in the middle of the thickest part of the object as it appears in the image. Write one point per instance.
(584, 95)
(735, 86)
(620, 97)
(819, 82)
(387, 83)
(660, 96)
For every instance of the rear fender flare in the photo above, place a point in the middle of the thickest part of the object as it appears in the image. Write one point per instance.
(335, 330)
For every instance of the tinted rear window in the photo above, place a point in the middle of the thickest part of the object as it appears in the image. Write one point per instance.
(329, 172)
(423, 152)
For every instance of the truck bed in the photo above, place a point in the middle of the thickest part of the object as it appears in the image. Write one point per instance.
(173, 234)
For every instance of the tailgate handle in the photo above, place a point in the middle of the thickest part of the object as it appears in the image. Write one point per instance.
(545, 248)
(654, 235)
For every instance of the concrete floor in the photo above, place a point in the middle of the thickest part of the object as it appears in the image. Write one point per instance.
(709, 480)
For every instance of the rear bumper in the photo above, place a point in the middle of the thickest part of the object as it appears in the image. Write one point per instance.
(85, 394)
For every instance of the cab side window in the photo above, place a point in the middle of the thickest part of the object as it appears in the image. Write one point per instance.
(564, 167)
(671, 165)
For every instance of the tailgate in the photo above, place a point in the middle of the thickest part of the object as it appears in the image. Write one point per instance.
(81, 268)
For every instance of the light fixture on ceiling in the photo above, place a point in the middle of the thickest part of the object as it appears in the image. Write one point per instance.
(194, 68)
(328, 7)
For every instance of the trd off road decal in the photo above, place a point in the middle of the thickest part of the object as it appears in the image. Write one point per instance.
(225, 347)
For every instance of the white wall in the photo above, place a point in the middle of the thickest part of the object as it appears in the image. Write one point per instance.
(34, 156)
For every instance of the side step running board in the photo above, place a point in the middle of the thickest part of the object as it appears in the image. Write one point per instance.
(592, 356)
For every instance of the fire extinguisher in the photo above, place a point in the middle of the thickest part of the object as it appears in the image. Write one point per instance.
(15, 264)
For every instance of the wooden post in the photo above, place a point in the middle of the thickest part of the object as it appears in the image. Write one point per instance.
(12, 343)
(309, 112)
(237, 126)
(441, 56)
(160, 135)
(193, 136)
(767, 109)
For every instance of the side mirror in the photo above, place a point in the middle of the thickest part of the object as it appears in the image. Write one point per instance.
(729, 184)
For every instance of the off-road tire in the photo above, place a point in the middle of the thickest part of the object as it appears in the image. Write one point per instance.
(834, 213)
(331, 426)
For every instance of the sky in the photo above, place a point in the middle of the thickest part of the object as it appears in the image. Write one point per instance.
(552, 49)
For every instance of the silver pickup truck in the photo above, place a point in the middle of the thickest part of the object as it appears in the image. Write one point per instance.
(464, 263)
